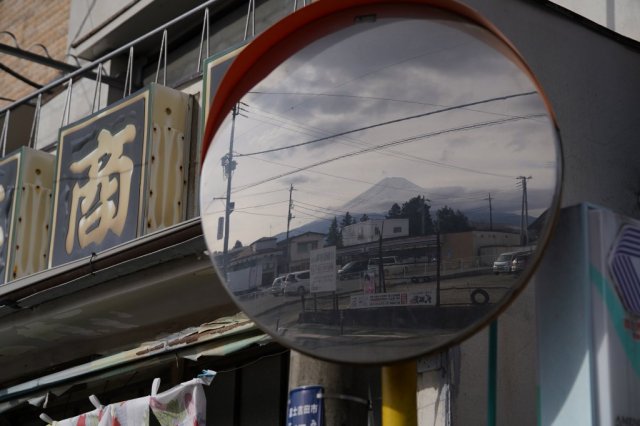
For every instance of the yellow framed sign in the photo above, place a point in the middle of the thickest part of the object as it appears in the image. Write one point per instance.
(121, 173)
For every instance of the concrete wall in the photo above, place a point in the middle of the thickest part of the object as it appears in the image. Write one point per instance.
(592, 83)
(88, 16)
(620, 16)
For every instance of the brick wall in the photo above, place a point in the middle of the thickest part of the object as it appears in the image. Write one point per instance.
(32, 21)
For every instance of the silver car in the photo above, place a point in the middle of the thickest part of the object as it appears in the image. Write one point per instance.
(504, 261)
(277, 287)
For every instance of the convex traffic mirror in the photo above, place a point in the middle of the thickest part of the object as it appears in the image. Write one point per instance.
(380, 180)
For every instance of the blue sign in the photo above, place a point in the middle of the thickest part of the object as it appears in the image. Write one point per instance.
(305, 406)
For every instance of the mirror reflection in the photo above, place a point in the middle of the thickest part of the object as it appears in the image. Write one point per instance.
(382, 190)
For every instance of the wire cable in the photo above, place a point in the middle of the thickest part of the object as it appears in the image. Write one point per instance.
(394, 143)
(385, 123)
(373, 98)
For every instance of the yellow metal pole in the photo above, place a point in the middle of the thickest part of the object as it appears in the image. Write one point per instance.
(399, 386)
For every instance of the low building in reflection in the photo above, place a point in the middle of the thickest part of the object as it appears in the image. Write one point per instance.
(459, 250)
(370, 231)
(405, 258)
(299, 247)
(255, 265)
(465, 250)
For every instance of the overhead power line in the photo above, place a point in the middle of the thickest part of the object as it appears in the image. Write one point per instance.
(373, 98)
(385, 123)
(236, 209)
(285, 124)
(397, 142)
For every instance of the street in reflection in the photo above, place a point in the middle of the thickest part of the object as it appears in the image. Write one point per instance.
(383, 190)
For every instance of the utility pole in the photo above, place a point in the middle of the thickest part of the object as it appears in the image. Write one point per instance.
(524, 219)
(382, 286)
(438, 263)
(490, 213)
(228, 166)
(289, 217)
(423, 215)
(422, 218)
(346, 387)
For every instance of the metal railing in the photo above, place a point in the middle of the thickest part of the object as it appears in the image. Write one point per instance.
(88, 68)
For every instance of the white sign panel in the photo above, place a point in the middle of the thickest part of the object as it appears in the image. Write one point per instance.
(378, 300)
(323, 269)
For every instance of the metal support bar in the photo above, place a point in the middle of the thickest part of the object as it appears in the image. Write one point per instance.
(33, 135)
(129, 77)
(52, 63)
(5, 131)
(204, 39)
(251, 18)
(67, 104)
(162, 59)
(12, 35)
(295, 4)
(43, 47)
(97, 92)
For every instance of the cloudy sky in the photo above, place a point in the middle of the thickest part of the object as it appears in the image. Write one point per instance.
(433, 101)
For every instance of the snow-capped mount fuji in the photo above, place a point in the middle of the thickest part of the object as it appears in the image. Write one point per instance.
(378, 199)
(381, 196)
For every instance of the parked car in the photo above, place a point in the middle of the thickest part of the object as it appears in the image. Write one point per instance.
(353, 269)
(520, 262)
(297, 283)
(504, 261)
(386, 260)
(277, 287)
(390, 264)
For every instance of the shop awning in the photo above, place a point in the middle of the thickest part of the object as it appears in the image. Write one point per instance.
(218, 338)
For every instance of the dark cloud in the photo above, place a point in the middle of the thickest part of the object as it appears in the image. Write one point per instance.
(377, 78)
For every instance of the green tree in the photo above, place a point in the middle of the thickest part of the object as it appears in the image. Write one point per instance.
(347, 220)
(238, 244)
(452, 221)
(364, 218)
(334, 238)
(418, 211)
(395, 212)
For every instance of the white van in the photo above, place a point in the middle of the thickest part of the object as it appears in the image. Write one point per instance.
(504, 261)
(297, 283)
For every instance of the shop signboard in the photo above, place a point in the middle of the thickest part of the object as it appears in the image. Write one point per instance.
(26, 181)
(214, 68)
(121, 173)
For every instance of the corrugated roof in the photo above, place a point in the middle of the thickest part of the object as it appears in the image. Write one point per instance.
(220, 337)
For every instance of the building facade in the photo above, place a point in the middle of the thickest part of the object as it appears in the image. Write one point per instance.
(108, 321)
